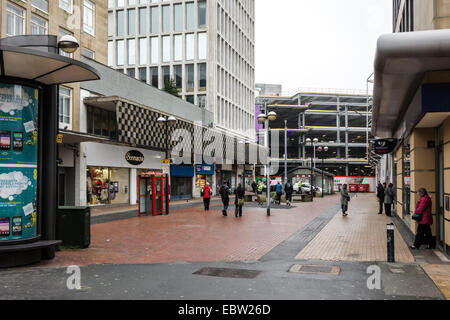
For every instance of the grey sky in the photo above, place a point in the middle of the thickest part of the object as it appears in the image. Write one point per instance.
(319, 43)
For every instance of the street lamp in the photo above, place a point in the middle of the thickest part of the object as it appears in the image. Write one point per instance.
(320, 149)
(169, 121)
(264, 119)
(313, 142)
(68, 44)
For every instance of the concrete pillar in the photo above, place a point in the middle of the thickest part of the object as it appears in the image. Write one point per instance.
(133, 186)
(80, 176)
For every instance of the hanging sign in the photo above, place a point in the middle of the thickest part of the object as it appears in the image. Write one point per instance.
(384, 146)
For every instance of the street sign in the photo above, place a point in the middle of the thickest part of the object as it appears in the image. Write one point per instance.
(59, 139)
(165, 161)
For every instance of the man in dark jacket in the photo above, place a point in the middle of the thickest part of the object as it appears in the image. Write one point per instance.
(380, 195)
(225, 194)
(288, 189)
(240, 195)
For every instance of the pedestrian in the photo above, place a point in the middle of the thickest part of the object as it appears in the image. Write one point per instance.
(388, 199)
(300, 184)
(345, 198)
(260, 191)
(288, 189)
(424, 220)
(279, 192)
(225, 195)
(380, 196)
(206, 196)
(254, 187)
(240, 195)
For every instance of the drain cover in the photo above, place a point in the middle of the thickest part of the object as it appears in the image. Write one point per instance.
(228, 273)
(311, 269)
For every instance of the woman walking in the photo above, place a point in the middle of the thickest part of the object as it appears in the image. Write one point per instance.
(240, 195)
(206, 196)
(424, 219)
(388, 199)
(345, 198)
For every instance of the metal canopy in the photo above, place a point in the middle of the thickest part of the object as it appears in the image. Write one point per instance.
(44, 67)
(401, 63)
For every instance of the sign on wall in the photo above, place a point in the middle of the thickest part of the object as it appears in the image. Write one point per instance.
(134, 157)
(18, 161)
(384, 146)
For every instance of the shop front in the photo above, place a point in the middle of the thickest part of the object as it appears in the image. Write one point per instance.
(204, 173)
(181, 180)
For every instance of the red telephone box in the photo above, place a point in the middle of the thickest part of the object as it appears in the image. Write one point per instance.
(153, 192)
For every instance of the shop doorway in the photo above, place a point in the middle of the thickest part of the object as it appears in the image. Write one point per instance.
(153, 194)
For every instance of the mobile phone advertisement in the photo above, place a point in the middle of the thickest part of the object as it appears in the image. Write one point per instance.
(18, 161)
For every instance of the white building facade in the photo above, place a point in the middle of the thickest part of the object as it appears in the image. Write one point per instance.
(205, 46)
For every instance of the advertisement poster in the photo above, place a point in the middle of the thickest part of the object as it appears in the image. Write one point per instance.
(18, 161)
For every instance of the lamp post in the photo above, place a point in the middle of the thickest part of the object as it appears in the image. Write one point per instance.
(313, 142)
(322, 149)
(265, 119)
(169, 121)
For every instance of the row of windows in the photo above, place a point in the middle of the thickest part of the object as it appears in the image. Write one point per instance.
(121, 3)
(231, 116)
(241, 14)
(155, 19)
(16, 17)
(234, 90)
(155, 50)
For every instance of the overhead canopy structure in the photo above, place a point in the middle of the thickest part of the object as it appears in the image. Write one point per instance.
(44, 67)
(401, 65)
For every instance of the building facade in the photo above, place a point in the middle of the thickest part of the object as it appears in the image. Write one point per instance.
(418, 114)
(205, 46)
(340, 121)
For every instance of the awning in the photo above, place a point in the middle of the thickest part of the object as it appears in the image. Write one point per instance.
(72, 137)
(44, 67)
(401, 63)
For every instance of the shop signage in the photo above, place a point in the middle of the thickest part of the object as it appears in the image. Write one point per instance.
(384, 146)
(134, 157)
(59, 139)
(204, 169)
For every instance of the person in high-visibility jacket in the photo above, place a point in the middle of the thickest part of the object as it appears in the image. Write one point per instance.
(260, 191)
(300, 184)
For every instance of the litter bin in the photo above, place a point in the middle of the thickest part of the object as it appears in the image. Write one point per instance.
(73, 226)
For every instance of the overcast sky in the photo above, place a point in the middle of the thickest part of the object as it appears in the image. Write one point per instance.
(319, 43)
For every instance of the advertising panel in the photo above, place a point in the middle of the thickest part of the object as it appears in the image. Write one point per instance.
(18, 161)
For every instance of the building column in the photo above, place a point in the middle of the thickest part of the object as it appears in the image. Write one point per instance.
(133, 186)
(80, 176)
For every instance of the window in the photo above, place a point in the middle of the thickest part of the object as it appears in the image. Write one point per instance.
(143, 51)
(202, 76)
(190, 46)
(142, 20)
(101, 122)
(154, 77)
(131, 72)
(143, 74)
(65, 104)
(202, 101)
(88, 53)
(120, 52)
(120, 23)
(190, 25)
(110, 24)
(166, 18)
(88, 17)
(40, 4)
(201, 14)
(178, 76)
(202, 45)
(178, 47)
(38, 25)
(66, 5)
(166, 74)
(189, 77)
(110, 53)
(62, 33)
(178, 17)
(190, 99)
(131, 44)
(131, 22)
(166, 48)
(15, 20)
(154, 50)
(154, 23)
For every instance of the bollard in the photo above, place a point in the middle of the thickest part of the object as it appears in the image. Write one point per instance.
(390, 242)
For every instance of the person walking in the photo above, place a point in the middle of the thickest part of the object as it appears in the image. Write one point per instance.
(380, 196)
(345, 198)
(279, 192)
(288, 189)
(260, 191)
(206, 196)
(240, 195)
(300, 184)
(423, 211)
(388, 199)
(254, 187)
(225, 195)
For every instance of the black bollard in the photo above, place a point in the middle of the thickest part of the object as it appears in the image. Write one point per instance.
(390, 242)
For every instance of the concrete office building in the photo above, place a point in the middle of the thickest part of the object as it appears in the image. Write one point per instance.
(205, 46)
(339, 120)
(411, 105)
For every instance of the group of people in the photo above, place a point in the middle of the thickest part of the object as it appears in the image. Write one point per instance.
(422, 214)
(225, 192)
(385, 195)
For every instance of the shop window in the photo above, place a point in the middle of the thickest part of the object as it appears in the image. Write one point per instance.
(101, 122)
(108, 185)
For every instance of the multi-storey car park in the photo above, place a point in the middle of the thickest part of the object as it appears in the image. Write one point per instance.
(339, 120)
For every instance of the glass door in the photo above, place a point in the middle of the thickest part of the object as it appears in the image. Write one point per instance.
(158, 195)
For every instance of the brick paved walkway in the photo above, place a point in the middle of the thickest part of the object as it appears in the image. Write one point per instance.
(192, 235)
(440, 274)
(361, 236)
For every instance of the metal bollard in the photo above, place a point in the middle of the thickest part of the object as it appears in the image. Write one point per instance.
(390, 242)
